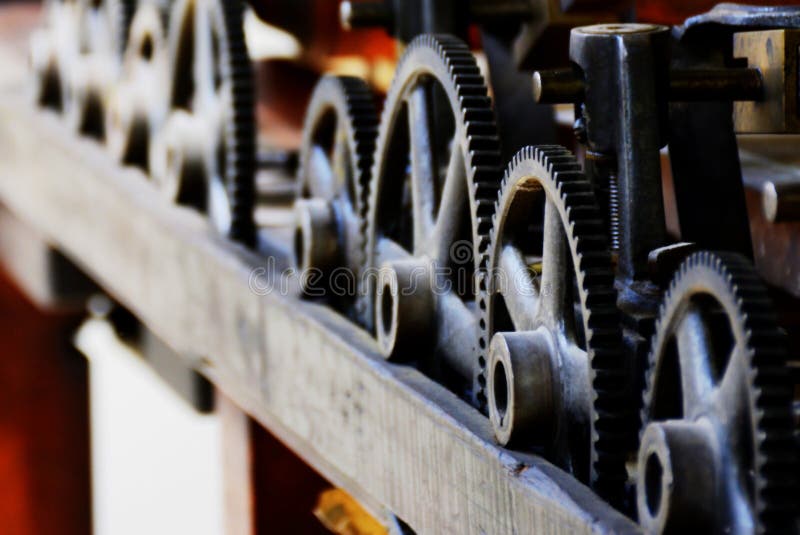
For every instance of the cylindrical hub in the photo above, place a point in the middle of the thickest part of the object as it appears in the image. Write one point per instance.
(405, 316)
(521, 386)
(677, 478)
(316, 246)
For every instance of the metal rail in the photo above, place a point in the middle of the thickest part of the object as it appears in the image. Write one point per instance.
(390, 436)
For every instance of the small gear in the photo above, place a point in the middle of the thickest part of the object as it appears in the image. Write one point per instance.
(335, 162)
(434, 182)
(551, 363)
(204, 154)
(717, 451)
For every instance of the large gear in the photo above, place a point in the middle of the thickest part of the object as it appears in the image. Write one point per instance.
(335, 162)
(434, 182)
(552, 363)
(717, 451)
(204, 155)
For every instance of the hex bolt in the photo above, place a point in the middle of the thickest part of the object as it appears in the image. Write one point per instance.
(781, 201)
(677, 478)
(365, 14)
(520, 387)
(404, 308)
(315, 242)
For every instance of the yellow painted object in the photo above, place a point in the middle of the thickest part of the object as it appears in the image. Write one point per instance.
(341, 514)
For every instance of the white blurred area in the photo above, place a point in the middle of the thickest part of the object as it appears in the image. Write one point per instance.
(265, 41)
(156, 463)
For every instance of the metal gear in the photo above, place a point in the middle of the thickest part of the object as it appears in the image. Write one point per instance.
(552, 360)
(137, 106)
(335, 162)
(434, 182)
(101, 32)
(717, 451)
(204, 154)
(53, 48)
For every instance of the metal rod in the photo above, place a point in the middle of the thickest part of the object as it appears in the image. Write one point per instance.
(566, 85)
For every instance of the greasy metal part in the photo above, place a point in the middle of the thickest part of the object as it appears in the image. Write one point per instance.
(434, 183)
(717, 451)
(781, 201)
(625, 72)
(557, 86)
(335, 162)
(204, 153)
(775, 54)
(137, 104)
(554, 372)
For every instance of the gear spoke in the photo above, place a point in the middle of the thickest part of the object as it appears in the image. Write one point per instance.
(322, 182)
(693, 343)
(515, 284)
(453, 204)
(423, 161)
(553, 307)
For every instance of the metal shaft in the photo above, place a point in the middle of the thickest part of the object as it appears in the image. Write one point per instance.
(685, 85)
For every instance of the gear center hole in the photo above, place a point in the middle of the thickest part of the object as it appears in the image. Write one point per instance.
(653, 475)
(500, 383)
(387, 301)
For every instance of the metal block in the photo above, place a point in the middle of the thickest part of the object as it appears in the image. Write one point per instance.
(775, 54)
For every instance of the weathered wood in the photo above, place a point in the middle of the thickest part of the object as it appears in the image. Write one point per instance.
(49, 280)
(388, 435)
